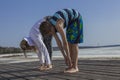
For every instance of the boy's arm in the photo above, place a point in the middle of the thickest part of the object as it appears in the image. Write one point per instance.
(59, 43)
(59, 27)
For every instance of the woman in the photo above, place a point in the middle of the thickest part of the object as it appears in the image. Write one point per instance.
(72, 21)
(36, 39)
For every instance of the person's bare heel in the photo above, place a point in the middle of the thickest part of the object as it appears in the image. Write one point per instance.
(42, 67)
(72, 70)
(48, 67)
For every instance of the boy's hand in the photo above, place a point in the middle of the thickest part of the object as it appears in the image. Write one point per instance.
(66, 61)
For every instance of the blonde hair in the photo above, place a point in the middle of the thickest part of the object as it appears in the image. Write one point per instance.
(23, 44)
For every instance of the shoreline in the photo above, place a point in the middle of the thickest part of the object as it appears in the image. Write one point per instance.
(8, 59)
(111, 53)
(33, 55)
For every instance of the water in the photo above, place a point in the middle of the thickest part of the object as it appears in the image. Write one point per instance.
(88, 53)
(94, 52)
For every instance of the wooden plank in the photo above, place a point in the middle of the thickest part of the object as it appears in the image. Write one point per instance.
(89, 70)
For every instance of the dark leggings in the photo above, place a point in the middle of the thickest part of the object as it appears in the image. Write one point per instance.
(48, 43)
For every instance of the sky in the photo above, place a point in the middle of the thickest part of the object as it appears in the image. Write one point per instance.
(101, 19)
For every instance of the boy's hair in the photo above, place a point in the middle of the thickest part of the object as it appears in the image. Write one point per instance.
(47, 18)
(45, 28)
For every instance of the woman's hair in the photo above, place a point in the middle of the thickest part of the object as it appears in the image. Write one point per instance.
(23, 44)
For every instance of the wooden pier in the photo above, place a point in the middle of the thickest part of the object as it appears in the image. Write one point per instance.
(89, 70)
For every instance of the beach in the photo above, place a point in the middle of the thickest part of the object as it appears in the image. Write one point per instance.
(94, 64)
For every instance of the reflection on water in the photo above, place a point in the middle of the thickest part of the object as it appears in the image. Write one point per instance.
(89, 52)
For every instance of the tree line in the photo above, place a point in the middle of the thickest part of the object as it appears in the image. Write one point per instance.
(4, 50)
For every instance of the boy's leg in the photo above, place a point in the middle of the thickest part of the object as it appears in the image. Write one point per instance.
(70, 50)
(74, 55)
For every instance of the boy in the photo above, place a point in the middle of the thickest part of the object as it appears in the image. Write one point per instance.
(72, 21)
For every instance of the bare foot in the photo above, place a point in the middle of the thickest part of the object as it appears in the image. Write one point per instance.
(45, 67)
(71, 70)
(42, 68)
(48, 67)
(68, 68)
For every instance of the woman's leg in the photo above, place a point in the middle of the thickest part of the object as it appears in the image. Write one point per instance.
(41, 48)
(43, 55)
(48, 43)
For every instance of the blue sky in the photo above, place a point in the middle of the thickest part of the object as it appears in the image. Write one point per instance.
(101, 19)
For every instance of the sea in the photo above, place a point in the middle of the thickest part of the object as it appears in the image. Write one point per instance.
(101, 53)
(105, 52)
